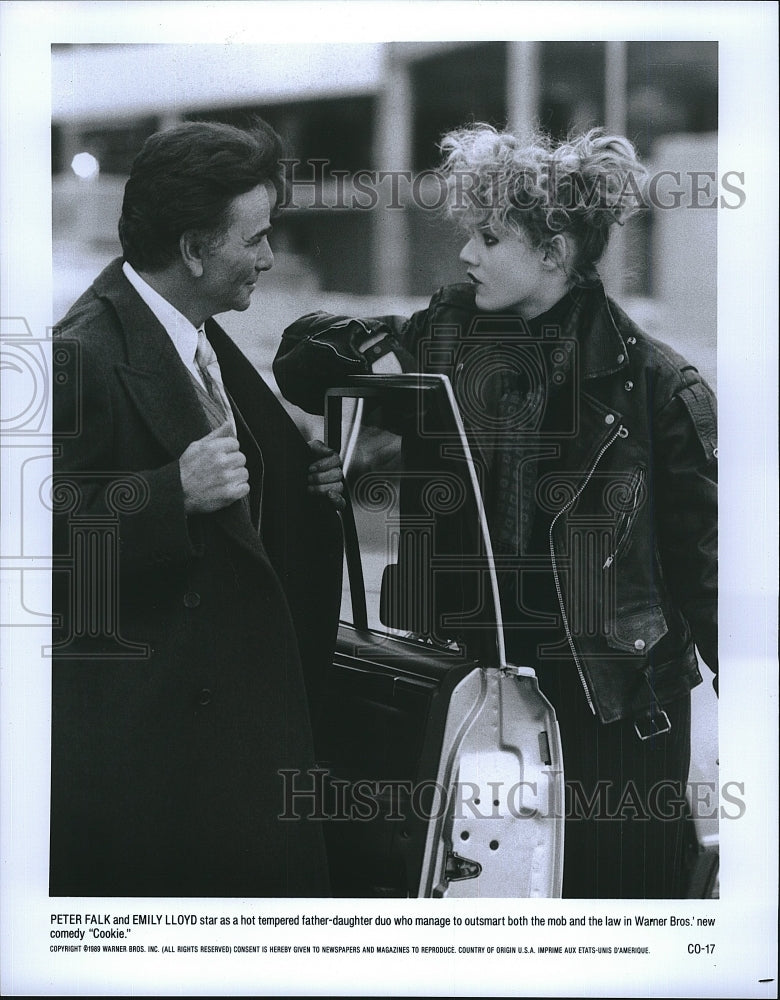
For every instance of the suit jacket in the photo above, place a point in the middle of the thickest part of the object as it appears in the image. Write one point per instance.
(183, 641)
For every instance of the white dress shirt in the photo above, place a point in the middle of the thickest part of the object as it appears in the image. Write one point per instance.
(182, 333)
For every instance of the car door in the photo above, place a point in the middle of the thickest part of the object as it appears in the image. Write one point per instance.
(440, 763)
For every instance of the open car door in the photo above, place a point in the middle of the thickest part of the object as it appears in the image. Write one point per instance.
(440, 762)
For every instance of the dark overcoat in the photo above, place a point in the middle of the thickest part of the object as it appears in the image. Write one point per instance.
(182, 641)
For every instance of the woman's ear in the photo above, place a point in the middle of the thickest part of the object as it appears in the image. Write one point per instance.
(556, 254)
(192, 247)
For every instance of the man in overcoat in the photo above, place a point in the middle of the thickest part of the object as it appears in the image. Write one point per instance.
(197, 552)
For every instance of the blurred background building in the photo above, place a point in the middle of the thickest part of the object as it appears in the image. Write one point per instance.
(346, 109)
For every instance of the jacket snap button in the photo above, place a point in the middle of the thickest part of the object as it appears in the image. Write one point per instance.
(639, 645)
(191, 599)
(204, 698)
(610, 418)
(631, 340)
(621, 358)
(628, 386)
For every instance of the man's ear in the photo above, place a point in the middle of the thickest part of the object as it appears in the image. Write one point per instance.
(192, 247)
(557, 253)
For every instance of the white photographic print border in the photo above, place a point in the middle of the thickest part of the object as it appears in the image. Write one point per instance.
(696, 948)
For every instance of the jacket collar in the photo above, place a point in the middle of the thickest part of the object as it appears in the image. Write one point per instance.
(593, 322)
(147, 344)
(160, 387)
(154, 374)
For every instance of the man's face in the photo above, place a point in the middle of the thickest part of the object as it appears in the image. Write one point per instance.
(232, 266)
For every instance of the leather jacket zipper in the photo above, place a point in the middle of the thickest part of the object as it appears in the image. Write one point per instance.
(626, 519)
(621, 432)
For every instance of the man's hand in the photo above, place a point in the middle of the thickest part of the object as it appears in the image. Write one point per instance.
(213, 472)
(326, 476)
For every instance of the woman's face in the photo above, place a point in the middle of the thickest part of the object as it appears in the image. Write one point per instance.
(506, 272)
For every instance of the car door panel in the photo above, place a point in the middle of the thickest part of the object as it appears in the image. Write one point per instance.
(443, 761)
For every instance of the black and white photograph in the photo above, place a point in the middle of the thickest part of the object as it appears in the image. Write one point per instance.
(378, 507)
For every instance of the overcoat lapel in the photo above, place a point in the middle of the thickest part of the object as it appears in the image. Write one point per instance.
(154, 376)
(161, 390)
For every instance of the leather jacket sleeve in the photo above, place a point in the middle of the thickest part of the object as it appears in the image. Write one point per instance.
(685, 499)
(318, 350)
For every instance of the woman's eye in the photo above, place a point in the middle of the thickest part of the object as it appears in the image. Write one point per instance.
(489, 239)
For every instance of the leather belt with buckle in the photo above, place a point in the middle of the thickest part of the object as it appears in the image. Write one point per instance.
(653, 724)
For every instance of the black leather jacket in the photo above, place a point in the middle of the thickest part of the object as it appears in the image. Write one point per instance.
(637, 483)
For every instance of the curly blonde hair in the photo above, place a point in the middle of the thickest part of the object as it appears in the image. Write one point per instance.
(538, 188)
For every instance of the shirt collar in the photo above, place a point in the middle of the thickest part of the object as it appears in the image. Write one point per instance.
(183, 334)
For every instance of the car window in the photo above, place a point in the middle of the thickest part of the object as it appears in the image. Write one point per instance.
(418, 556)
(373, 460)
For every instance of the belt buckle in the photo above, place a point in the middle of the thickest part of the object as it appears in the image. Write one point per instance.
(658, 723)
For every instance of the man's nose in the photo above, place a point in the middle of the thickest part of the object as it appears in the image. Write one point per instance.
(265, 258)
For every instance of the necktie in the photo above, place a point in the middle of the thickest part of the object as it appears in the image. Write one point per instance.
(206, 360)
(207, 363)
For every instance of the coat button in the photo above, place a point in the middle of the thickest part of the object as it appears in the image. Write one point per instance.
(204, 698)
(610, 418)
(191, 599)
(631, 340)
(621, 358)
(639, 645)
(628, 386)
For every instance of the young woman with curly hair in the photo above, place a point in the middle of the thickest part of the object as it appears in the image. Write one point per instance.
(597, 449)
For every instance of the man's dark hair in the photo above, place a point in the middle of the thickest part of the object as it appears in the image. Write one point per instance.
(185, 178)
